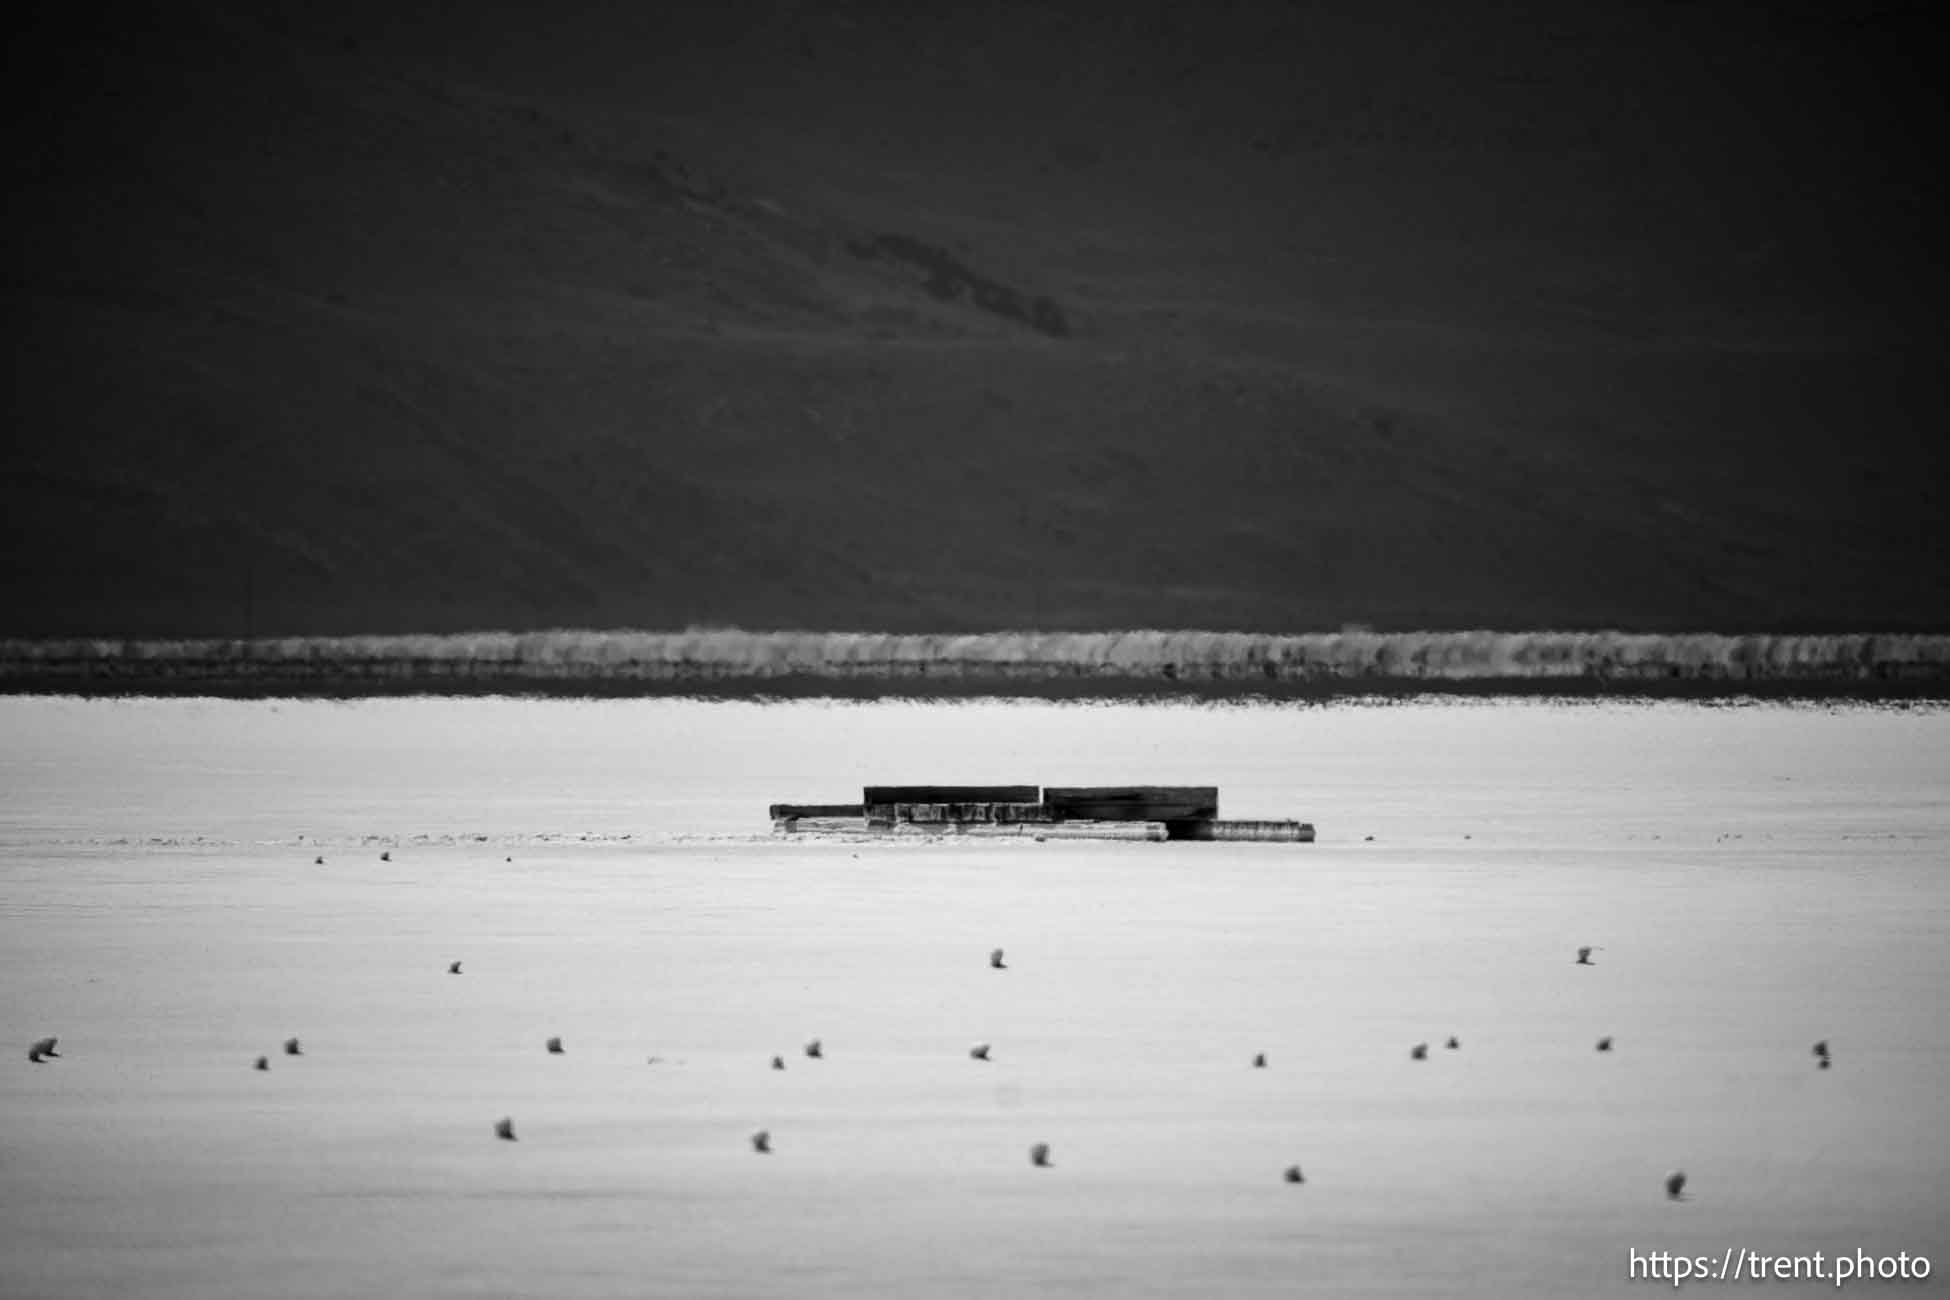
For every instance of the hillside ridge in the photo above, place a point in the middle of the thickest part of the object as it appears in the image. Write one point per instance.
(835, 315)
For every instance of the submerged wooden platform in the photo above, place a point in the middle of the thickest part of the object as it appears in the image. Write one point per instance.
(1055, 812)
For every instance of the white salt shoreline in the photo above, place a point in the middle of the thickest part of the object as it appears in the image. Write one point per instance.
(1720, 865)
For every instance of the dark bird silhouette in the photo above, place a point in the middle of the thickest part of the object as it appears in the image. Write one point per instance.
(263, 1063)
(1259, 1061)
(979, 1052)
(1824, 1063)
(778, 1063)
(1821, 1049)
(43, 1051)
(1419, 1052)
(453, 968)
(762, 1142)
(504, 1129)
(385, 857)
(291, 1047)
(1676, 1186)
(1453, 1043)
(1604, 1044)
(995, 960)
(815, 1049)
(1584, 958)
(1039, 1155)
(1293, 1174)
(555, 1046)
(318, 862)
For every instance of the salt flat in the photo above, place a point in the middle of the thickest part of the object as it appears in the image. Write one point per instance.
(1754, 879)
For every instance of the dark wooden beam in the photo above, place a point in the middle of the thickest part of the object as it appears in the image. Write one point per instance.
(1134, 803)
(892, 794)
(818, 810)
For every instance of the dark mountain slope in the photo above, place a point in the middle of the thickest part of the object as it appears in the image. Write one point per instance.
(830, 315)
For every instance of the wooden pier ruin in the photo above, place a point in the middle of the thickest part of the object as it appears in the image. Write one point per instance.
(1138, 812)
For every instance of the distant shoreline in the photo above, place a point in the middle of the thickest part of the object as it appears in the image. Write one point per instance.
(1111, 691)
(1135, 665)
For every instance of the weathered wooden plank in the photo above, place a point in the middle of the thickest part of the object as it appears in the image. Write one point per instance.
(1161, 811)
(845, 827)
(893, 794)
(819, 826)
(976, 813)
(1111, 830)
(1163, 803)
(1208, 829)
(818, 810)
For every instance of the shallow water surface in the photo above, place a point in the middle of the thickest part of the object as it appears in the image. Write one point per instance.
(1754, 879)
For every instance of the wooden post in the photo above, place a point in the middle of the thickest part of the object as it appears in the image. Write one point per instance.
(1275, 831)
